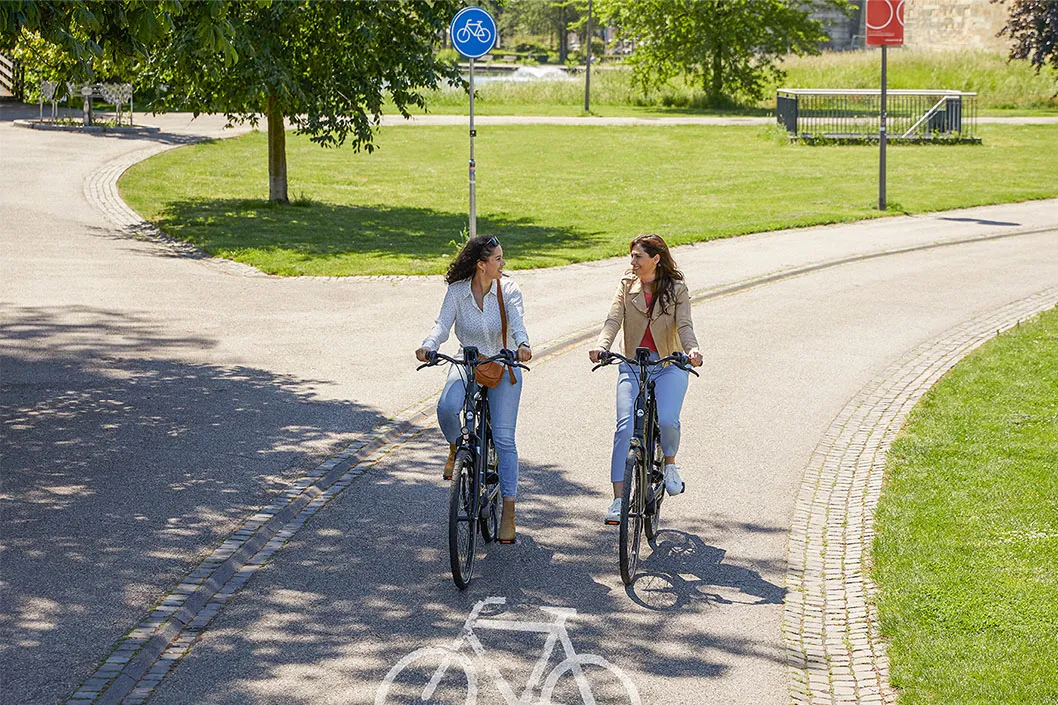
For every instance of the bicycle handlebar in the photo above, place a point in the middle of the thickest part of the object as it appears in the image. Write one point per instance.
(607, 357)
(505, 357)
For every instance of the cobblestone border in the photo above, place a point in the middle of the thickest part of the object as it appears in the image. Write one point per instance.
(101, 192)
(834, 651)
(146, 654)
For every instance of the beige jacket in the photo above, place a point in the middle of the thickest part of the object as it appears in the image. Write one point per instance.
(673, 330)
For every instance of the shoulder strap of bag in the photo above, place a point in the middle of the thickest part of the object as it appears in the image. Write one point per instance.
(503, 323)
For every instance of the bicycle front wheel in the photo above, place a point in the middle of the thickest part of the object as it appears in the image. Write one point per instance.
(429, 675)
(631, 516)
(462, 520)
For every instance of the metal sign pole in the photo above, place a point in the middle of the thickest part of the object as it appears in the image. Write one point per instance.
(587, 66)
(473, 203)
(882, 137)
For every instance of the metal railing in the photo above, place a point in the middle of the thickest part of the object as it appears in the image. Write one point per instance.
(13, 77)
(855, 115)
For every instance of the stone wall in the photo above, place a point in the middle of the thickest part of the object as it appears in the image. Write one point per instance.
(928, 24)
(955, 24)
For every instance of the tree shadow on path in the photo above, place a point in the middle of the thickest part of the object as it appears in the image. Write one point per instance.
(122, 466)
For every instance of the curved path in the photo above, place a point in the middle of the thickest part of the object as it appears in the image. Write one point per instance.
(154, 402)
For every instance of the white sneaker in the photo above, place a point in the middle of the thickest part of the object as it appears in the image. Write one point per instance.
(613, 514)
(673, 482)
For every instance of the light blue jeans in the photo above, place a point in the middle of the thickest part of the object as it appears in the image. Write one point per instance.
(670, 387)
(503, 409)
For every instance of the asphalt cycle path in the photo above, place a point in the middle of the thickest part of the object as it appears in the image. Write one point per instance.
(366, 582)
(154, 400)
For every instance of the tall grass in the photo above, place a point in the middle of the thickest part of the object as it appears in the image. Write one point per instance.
(1000, 84)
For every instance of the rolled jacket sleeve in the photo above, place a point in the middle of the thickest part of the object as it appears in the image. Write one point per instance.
(614, 318)
(684, 320)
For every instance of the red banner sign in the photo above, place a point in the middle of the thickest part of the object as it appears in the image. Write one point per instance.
(885, 23)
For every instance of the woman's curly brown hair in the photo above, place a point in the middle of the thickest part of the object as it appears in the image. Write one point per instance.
(477, 249)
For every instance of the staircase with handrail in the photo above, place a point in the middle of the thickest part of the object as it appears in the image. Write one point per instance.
(12, 80)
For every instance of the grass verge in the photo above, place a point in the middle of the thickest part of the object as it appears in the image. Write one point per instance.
(555, 194)
(967, 530)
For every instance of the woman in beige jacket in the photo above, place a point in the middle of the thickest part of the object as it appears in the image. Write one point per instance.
(653, 307)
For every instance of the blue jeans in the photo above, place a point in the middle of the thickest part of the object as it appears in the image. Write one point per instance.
(670, 387)
(503, 409)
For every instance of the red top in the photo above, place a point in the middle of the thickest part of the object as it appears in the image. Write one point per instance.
(648, 339)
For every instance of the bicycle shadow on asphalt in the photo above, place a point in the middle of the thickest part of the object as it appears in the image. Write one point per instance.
(683, 570)
(123, 465)
(367, 581)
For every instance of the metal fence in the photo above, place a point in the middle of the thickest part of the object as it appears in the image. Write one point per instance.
(855, 115)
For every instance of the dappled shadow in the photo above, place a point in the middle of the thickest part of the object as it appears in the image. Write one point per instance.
(123, 464)
(9, 112)
(415, 240)
(367, 582)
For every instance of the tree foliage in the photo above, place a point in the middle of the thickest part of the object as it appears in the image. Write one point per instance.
(328, 67)
(79, 39)
(1032, 25)
(731, 47)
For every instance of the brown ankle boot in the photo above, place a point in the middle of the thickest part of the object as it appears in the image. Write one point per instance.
(450, 464)
(507, 529)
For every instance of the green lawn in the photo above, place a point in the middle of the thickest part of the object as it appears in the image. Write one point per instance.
(966, 554)
(555, 194)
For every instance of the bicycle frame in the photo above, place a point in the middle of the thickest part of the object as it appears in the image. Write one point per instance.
(556, 634)
(477, 431)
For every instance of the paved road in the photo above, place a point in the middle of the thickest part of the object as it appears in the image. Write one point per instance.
(152, 402)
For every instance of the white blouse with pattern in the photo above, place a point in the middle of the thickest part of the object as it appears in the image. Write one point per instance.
(480, 328)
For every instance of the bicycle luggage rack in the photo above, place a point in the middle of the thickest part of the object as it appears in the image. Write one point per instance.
(849, 116)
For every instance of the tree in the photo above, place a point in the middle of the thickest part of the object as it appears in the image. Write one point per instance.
(730, 46)
(89, 41)
(1033, 27)
(328, 67)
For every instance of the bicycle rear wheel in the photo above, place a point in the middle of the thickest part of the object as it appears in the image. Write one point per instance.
(462, 520)
(631, 517)
(655, 492)
(490, 500)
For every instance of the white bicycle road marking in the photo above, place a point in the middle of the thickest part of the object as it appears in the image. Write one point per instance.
(557, 633)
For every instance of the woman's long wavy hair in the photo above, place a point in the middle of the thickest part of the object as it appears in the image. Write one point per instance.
(667, 271)
(477, 249)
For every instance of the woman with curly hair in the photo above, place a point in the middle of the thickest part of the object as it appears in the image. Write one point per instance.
(653, 306)
(477, 288)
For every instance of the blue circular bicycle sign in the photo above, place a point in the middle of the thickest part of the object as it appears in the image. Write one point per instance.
(473, 32)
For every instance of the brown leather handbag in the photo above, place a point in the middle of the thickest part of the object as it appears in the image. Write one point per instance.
(490, 374)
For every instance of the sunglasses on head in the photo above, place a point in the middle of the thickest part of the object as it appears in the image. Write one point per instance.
(492, 242)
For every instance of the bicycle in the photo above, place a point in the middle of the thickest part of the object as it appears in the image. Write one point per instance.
(451, 655)
(473, 29)
(643, 492)
(473, 503)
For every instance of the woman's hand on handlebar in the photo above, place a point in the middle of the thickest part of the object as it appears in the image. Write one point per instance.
(525, 353)
(595, 355)
(423, 354)
(695, 356)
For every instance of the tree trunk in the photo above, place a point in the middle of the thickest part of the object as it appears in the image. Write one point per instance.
(716, 78)
(277, 154)
(563, 36)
